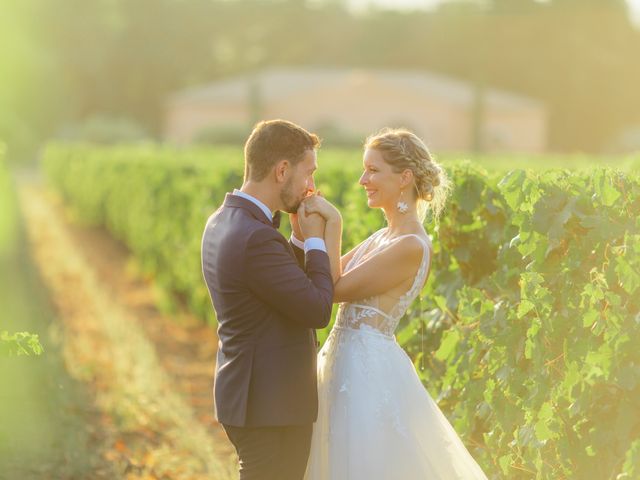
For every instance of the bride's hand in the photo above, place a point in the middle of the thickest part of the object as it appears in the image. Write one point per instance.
(295, 226)
(310, 224)
(318, 204)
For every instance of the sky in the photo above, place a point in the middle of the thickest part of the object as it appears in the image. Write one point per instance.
(361, 4)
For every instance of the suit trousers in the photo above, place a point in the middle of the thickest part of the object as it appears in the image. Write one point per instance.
(271, 453)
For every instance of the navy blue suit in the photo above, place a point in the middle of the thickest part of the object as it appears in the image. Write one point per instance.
(268, 305)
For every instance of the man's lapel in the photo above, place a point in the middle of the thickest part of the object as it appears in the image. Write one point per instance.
(235, 201)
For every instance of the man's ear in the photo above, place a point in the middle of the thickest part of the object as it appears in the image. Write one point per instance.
(282, 171)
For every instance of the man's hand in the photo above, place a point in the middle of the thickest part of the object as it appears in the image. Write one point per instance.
(320, 205)
(311, 224)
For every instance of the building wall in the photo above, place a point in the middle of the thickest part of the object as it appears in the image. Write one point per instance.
(367, 106)
(184, 121)
(363, 105)
(515, 130)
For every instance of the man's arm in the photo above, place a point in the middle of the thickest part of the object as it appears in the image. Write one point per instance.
(276, 279)
(297, 246)
(300, 247)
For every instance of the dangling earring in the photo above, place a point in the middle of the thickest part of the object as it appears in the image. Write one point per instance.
(402, 206)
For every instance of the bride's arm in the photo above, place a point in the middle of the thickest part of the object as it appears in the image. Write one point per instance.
(333, 241)
(380, 273)
(332, 232)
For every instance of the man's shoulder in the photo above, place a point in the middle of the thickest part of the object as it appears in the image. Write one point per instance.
(240, 223)
(230, 216)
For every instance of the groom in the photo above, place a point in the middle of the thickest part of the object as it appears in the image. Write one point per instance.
(269, 296)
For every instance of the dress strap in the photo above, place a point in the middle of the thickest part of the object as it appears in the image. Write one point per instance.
(413, 235)
(363, 248)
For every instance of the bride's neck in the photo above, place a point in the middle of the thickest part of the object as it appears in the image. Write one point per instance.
(398, 223)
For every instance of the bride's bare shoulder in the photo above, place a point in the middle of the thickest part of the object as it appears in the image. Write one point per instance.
(402, 250)
(420, 233)
(415, 244)
(411, 245)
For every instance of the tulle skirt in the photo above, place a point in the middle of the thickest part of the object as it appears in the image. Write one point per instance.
(376, 421)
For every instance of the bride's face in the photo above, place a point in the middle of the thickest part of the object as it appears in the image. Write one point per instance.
(381, 184)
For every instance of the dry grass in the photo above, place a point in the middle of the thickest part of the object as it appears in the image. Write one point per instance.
(158, 435)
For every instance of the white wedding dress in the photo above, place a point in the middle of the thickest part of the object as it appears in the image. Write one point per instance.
(376, 421)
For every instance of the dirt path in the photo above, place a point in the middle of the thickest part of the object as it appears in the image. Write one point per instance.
(185, 347)
(152, 376)
(50, 426)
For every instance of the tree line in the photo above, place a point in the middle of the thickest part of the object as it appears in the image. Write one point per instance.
(69, 60)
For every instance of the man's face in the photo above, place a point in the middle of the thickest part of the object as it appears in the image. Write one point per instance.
(299, 183)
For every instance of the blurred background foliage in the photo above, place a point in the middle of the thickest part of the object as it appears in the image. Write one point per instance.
(112, 63)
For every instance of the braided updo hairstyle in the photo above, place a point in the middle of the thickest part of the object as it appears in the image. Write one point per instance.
(402, 149)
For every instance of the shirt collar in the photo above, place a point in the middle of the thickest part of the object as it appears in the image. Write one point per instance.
(257, 202)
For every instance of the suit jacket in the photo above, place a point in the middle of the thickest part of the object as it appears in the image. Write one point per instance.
(267, 305)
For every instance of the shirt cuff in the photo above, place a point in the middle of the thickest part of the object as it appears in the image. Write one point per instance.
(314, 243)
(297, 242)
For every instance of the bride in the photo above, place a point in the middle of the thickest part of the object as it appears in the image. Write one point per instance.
(376, 421)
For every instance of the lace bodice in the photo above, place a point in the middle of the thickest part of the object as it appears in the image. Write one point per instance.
(369, 312)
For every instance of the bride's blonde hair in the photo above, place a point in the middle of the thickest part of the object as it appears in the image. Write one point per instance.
(402, 149)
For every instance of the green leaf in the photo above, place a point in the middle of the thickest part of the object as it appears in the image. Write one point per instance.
(20, 343)
(628, 275)
(525, 307)
(545, 415)
(505, 462)
(605, 190)
(590, 317)
(449, 342)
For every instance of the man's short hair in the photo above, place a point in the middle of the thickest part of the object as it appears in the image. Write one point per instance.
(272, 141)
